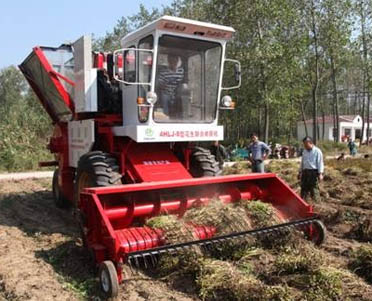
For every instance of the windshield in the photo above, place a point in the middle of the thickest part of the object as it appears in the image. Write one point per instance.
(187, 80)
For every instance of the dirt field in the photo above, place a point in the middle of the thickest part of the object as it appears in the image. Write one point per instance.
(41, 257)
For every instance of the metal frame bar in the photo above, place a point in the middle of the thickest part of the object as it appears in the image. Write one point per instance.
(205, 242)
(176, 183)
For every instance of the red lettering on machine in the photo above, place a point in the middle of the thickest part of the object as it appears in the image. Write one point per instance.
(189, 134)
(156, 162)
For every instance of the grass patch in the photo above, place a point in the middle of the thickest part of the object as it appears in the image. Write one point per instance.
(350, 166)
(175, 230)
(221, 280)
(361, 262)
(363, 230)
(262, 214)
(226, 218)
(303, 259)
(325, 284)
(332, 148)
(238, 168)
(287, 170)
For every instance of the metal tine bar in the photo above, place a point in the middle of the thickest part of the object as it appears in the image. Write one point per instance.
(210, 248)
(144, 260)
(152, 260)
(175, 247)
(132, 263)
(130, 266)
(136, 262)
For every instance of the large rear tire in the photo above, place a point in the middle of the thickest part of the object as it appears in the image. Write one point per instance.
(95, 169)
(59, 199)
(203, 163)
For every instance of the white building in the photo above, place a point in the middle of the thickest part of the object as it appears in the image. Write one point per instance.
(350, 126)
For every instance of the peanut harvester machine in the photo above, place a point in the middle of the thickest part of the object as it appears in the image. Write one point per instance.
(127, 125)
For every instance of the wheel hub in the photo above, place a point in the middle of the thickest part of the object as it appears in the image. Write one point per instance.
(105, 281)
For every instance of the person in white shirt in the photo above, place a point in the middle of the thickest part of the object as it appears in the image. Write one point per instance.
(311, 170)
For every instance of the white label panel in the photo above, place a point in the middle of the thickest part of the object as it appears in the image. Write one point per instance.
(171, 133)
(80, 139)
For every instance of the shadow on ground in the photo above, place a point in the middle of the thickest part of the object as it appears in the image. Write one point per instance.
(35, 213)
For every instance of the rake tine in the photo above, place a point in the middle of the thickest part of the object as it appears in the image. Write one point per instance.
(152, 257)
(208, 247)
(212, 247)
(130, 266)
(133, 265)
(137, 264)
(144, 261)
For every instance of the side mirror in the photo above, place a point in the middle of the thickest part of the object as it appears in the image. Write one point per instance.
(237, 72)
(231, 69)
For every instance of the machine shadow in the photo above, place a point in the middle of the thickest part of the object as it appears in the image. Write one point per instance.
(72, 263)
(35, 213)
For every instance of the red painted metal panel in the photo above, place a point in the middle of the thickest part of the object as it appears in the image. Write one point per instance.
(155, 163)
(178, 183)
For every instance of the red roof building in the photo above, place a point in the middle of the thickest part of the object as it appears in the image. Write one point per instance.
(350, 126)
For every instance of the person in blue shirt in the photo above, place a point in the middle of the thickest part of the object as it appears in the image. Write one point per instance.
(352, 147)
(311, 170)
(257, 153)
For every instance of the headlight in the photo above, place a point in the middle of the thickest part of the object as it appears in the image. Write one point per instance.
(151, 97)
(226, 101)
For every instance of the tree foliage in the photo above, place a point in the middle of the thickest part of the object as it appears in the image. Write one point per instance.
(301, 59)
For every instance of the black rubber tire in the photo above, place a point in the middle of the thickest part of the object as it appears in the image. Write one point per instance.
(319, 233)
(203, 163)
(92, 260)
(59, 199)
(108, 279)
(101, 168)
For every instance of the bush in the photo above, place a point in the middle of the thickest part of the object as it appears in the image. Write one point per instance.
(24, 125)
(24, 133)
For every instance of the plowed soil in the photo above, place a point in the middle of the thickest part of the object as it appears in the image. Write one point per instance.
(41, 256)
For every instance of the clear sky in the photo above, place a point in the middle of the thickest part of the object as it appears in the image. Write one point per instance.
(28, 23)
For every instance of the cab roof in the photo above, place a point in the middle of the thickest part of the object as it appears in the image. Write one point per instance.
(181, 26)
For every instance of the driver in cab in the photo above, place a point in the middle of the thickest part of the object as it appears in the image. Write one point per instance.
(169, 79)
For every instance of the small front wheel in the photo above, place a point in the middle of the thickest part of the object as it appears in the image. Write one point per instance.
(318, 232)
(108, 279)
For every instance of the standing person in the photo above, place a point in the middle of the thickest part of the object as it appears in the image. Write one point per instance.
(352, 147)
(219, 151)
(257, 153)
(311, 170)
